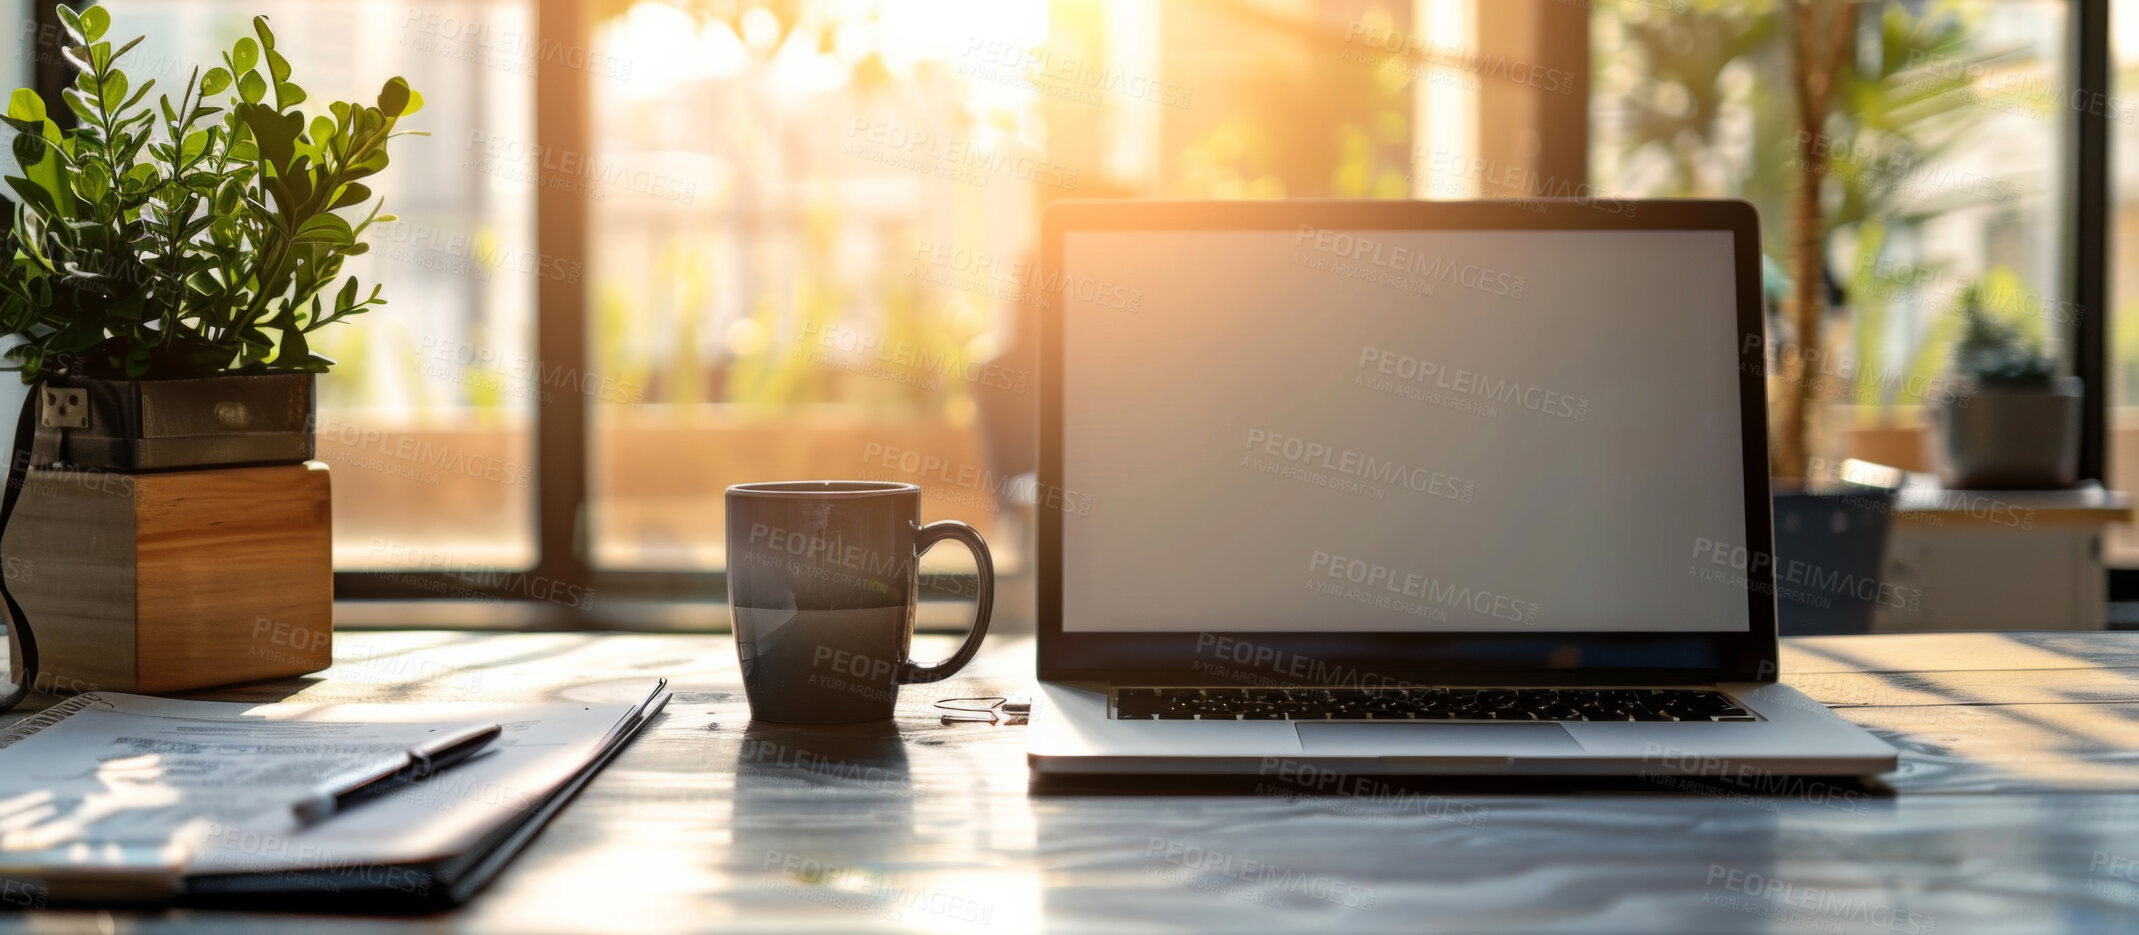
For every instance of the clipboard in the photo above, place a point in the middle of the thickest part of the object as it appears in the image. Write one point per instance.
(428, 846)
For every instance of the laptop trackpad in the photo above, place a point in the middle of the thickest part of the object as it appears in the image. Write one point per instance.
(1397, 738)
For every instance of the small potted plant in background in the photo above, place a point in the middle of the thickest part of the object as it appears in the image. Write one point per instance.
(166, 260)
(2017, 424)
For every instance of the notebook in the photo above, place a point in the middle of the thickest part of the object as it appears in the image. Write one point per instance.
(110, 797)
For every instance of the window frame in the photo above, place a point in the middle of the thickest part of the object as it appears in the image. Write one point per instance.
(2087, 249)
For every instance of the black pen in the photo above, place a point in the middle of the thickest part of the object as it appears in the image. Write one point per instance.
(418, 763)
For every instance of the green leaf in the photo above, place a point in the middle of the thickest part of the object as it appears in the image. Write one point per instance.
(394, 97)
(85, 76)
(278, 187)
(217, 80)
(94, 21)
(295, 351)
(353, 194)
(114, 88)
(244, 55)
(277, 66)
(77, 336)
(325, 228)
(267, 36)
(42, 166)
(25, 105)
(130, 308)
(80, 104)
(91, 185)
(195, 144)
(297, 183)
(252, 87)
(139, 93)
(288, 95)
(32, 194)
(127, 47)
(72, 21)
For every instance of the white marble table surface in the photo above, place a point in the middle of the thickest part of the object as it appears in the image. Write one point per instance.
(2016, 808)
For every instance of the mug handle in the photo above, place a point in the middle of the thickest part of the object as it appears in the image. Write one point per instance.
(909, 671)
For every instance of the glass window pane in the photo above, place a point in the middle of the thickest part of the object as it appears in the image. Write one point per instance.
(426, 418)
(2121, 548)
(774, 202)
(1945, 153)
(813, 223)
(16, 53)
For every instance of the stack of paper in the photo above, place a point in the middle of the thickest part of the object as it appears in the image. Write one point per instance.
(123, 797)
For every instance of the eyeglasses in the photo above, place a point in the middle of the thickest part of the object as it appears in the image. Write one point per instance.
(987, 709)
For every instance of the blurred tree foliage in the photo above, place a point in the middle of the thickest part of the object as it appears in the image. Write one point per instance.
(1703, 100)
(1312, 113)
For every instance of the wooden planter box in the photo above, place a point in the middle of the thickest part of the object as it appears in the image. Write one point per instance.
(175, 580)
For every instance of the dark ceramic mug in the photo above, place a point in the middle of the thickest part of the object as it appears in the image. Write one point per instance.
(821, 584)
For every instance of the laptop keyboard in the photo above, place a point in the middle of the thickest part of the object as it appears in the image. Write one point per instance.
(1426, 704)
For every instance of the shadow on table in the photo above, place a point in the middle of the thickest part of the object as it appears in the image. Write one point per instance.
(1288, 779)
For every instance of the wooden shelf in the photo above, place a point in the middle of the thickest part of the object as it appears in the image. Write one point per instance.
(1922, 498)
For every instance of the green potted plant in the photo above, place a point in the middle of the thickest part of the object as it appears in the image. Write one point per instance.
(166, 261)
(171, 259)
(2016, 425)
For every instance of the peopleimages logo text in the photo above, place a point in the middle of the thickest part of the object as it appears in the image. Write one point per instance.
(1485, 64)
(1422, 588)
(1755, 563)
(1405, 260)
(1463, 382)
(1029, 279)
(1362, 466)
(953, 151)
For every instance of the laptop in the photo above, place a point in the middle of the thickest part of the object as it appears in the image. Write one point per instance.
(1412, 488)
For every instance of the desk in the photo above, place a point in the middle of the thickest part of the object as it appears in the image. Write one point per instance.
(2013, 810)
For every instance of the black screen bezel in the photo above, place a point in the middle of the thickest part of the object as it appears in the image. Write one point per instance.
(1541, 658)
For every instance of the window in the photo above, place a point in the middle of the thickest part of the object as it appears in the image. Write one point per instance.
(658, 247)
(811, 230)
(796, 228)
(427, 418)
(1946, 150)
(2122, 547)
(756, 241)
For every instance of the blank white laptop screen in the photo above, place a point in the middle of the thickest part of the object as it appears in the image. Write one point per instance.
(1377, 430)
